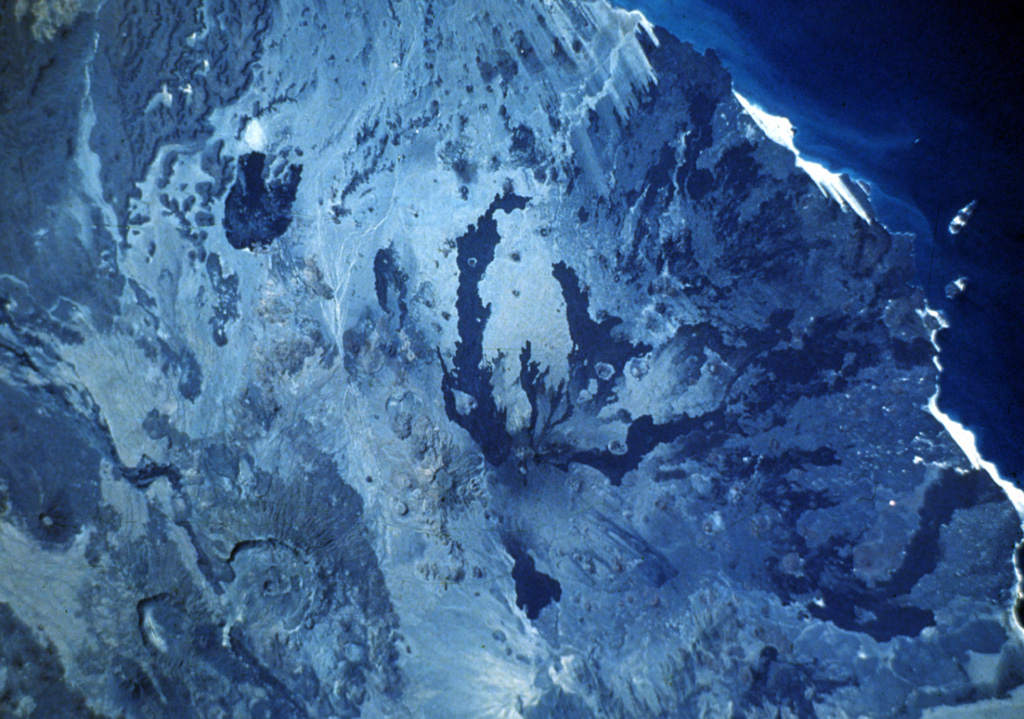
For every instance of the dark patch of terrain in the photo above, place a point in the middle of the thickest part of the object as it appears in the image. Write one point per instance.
(485, 422)
(258, 211)
(534, 589)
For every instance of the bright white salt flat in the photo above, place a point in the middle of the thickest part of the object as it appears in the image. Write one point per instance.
(254, 136)
(164, 97)
(780, 130)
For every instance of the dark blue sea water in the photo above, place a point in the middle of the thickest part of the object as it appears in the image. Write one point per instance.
(923, 100)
